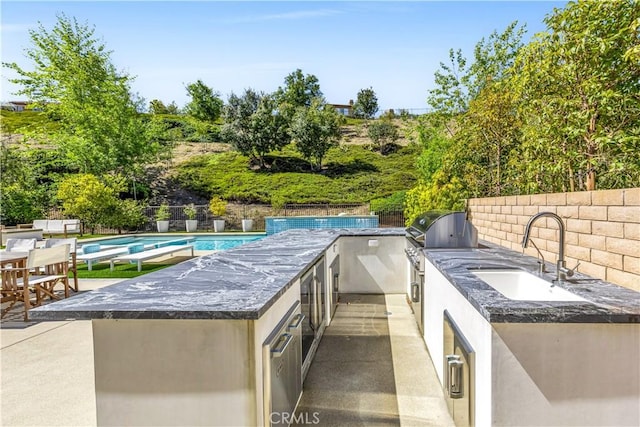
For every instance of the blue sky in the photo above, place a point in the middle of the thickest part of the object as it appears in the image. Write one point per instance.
(394, 47)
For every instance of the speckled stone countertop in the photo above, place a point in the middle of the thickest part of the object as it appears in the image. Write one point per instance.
(606, 302)
(240, 283)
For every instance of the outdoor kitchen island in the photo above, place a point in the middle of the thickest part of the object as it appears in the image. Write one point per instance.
(185, 345)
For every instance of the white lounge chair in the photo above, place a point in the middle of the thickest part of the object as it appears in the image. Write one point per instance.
(150, 254)
(91, 257)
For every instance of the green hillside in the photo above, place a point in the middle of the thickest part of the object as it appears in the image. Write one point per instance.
(351, 174)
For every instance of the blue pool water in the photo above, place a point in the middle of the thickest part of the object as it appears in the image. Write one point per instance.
(200, 242)
(276, 224)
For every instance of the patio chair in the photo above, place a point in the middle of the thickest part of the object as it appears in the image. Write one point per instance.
(20, 245)
(73, 263)
(45, 268)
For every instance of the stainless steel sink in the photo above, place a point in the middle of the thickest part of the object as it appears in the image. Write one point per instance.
(521, 285)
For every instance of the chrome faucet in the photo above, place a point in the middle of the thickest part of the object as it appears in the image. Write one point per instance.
(561, 270)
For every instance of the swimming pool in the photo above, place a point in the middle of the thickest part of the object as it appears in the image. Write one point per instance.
(276, 224)
(206, 242)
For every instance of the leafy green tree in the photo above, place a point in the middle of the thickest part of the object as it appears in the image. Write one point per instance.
(205, 104)
(458, 83)
(434, 142)
(383, 133)
(579, 99)
(126, 214)
(450, 96)
(73, 78)
(443, 192)
(25, 180)
(299, 91)
(20, 205)
(237, 116)
(90, 199)
(315, 130)
(254, 126)
(173, 108)
(157, 107)
(366, 105)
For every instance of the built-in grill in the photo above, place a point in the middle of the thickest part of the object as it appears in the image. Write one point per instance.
(434, 229)
(439, 229)
(443, 229)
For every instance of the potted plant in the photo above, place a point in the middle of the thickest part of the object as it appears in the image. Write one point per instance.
(162, 218)
(191, 222)
(218, 208)
(247, 224)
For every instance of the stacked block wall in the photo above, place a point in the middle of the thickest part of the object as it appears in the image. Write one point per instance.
(602, 229)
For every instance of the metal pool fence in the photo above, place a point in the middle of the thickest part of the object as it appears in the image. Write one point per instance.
(389, 217)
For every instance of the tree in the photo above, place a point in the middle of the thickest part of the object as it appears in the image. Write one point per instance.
(205, 104)
(93, 201)
(157, 107)
(237, 117)
(457, 84)
(125, 214)
(26, 177)
(366, 105)
(73, 78)
(578, 85)
(299, 91)
(254, 126)
(383, 132)
(315, 130)
(173, 108)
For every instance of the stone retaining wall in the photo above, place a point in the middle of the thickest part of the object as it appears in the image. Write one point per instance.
(602, 229)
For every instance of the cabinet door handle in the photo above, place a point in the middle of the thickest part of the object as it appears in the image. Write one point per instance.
(295, 323)
(456, 390)
(415, 292)
(283, 343)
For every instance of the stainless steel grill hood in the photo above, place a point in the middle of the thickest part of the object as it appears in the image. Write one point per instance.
(443, 229)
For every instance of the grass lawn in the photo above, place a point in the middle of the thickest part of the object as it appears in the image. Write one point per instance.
(120, 271)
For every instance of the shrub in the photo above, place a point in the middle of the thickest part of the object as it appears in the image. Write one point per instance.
(218, 207)
(127, 214)
(163, 214)
(190, 211)
(18, 205)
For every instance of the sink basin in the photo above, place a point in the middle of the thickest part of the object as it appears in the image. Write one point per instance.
(523, 286)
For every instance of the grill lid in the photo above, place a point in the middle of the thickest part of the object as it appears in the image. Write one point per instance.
(443, 229)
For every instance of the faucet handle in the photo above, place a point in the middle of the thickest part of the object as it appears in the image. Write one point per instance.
(569, 271)
(574, 268)
(541, 267)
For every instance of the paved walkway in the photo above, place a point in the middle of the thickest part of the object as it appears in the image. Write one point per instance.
(47, 370)
(373, 369)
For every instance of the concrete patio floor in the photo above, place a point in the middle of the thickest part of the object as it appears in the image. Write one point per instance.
(47, 370)
(47, 376)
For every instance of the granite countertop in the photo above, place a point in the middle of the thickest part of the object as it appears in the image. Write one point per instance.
(239, 283)
(606, 302)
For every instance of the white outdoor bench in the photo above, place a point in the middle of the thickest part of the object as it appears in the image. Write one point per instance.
(150, 254)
